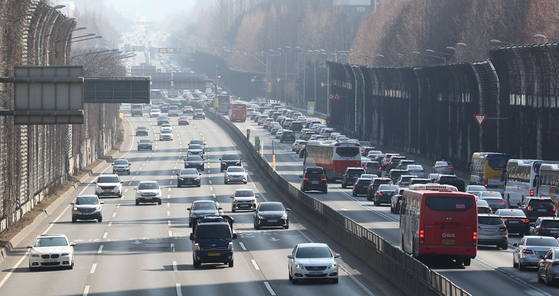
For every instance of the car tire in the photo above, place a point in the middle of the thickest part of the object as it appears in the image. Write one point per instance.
(231, 263)
(521, 266)
(505, 246)
(74, 220)
(540, 280)
(286, 225)
(233, 210)
(467, 261)
(290, 277)
(245, 182)
(196, 264)
(137, 203)
(547, 281)
(344, 185)
(369, 197)
(391, 209)
(334, 281)
(353, 193)
(100, 219)
(129, 173)
(178, 185)
(514, 264)
(159, 202)
(377, 203)
(294, 281)
(256, 226)
(199, 184)
(325, 191)
(225, 181)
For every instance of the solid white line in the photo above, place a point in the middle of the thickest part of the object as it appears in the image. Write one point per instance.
(175, 266)
(242, 246)
(179, 293)
(86, 291)
(14, 268)
(168, 204)
(105, 235)
(173, 247)
(210, 181)
(93, 267)
(255, 265)
(269, 288)
(170, 233)
(100, 249)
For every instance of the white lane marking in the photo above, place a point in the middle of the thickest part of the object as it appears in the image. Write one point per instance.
(254, 264)
(114, 214)
(175, 266)
(170, 182)
(105, 235)
(110, 223)
(100, 249)
(168, 204)
(211, 188)
(93, 267)
(173, 247)
(168, 213)
(210, 182)
(269, 288)
(242, 246)
(213, 194)
(169, 222)
(118, 205)
(122, 197)
(179, 293)
(126, 190)
(169, 190)
(86, 291)
(170, 233)
(14, 268)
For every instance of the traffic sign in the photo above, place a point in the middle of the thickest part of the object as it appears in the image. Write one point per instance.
(480, 118)
(330, 96)
(322, 84)
(278, 79)
(336, 97)
(269, 79)
(270, 83)
(265, 79)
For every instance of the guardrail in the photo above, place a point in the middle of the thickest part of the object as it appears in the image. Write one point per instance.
(402, 270)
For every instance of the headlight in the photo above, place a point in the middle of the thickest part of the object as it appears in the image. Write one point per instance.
(64, 254)
(35, 255)
(158, 194)
(300, 266)
(196, 247)
(230, 246)
(260, 217)
(332, 265)
(97, 208)
(284, 216)
(75, 208)
(234, 200)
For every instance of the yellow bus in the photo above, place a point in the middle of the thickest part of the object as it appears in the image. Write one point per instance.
(487, 168)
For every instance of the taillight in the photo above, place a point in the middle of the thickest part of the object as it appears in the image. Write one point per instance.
(531, 192)
(527, 251)
(372, 186)
(347, 176)
(474, 238)
(365, 167)
(502, 228)
(421, 236)
(505, 220)
(525, 220)
(555, 264)
(306, 179)
(529, 208)
(323, 179)
(438, 167)
(554, 209)
(380, 193)
(501, 201)
(450, 167)
(485, 183)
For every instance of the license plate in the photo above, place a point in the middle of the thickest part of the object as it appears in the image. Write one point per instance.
(513, 222)
(448, 241)
(107, 191)
(316, 272)
(49, 260)
(214, 254)
(273, 220)
(243, 206)
(490, 229)
(541, 210)
(314, 182)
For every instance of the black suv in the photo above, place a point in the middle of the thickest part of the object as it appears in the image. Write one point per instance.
(296, 126)
(538, 206)
(373, 186)
(314, 179)
(546, 226)
(452, 180)
(394, 174)
(230, 159)
(350, 175)
(287, 136)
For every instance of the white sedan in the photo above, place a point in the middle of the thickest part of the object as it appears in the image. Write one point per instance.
(312, 261)
(51, 250)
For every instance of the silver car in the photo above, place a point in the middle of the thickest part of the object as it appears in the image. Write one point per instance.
(87, 207)
(548, 267)
(312, 261)
(492, 231)
(443, 167)
(493, 198)
(235, 174)
(243, 199)
(531, 249)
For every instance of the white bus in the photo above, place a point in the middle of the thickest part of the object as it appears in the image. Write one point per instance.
(548, 182)
(334, 157)
(521, 180)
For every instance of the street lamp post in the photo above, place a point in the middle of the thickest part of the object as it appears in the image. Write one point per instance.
(90, 53)
(545, 37)
(503, 42)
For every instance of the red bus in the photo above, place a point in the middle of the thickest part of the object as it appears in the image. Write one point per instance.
(238, 111)
(438, 220)
(334, 157)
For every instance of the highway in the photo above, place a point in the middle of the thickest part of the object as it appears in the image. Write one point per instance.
(491, 272)
(145, 250)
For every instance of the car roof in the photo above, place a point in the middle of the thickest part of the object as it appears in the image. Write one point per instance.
(148, 181)
(311, 245)
(488, 215)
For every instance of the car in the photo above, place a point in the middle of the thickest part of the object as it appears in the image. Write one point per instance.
(394, 174)
(396, 200)
(87, 207)
(538, 206)
(279, 133)
(443, 167)
(451, 180)
(164, 108)
(296, 126)
(369, 176)
(166, 127)
(404, 163)
(350, 175)
(108, 185)
(162, 119)
(203, 208)
(312, 261)
(154, 113)
(516, 220)
(187, 110)
(235, 174)
(416, 169)
(173, 111)
(493, 198)
(394, 161)
(271, 214)
(261, 119)
(145, 144)
(51, 250)
(189, 176)
(475, 189)
(287, 136)
(384, 194)
(531, 249)
(212, 241)
(295, 145)
(492, 230)
(483, 207)
(404, 180)
(137, 109)
(275, 128)
(548, 267)
(142, 131)
(300, 145)
(314, 178)
(229, 159)
(121, 166)
(433, 176)
(148, 191)
(243, 199)
(199, 113)
(183, 120)
(546, 226)
(166, 135)
(360, 186)
(373, 186)
(195, 149)
(372, 167)
(194, 161)
(416, 180)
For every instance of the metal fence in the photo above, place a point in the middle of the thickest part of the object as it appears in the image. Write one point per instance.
(35, 159)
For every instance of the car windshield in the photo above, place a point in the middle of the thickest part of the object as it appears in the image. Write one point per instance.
(145, 141)
(415, 167)
(542, 241)
(150, 185)
(141, 128)
(87, 200)
(230, 157)
(183, 117)
(540, 203)
(476, 188)
(194, 158)
(493, 194)
(489, 220)
(204, 206)
(199, 142)
(51, 242)
(189, 172)
(244, 193)
(235, 169)
(121, 161)
(550, 224)
(269, 207)
(194, 147)
(511, 213)
(166, 131)
(110, 179)
(313, 252)
(219, 231)
(387, 188)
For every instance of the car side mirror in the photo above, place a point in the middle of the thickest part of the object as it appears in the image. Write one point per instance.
(337, 256)
(112, 164)
(287, 209)
(94, 182)
(188, 209)
(256, 196)
(29, 246)
(519, 204)
(234, 235)
(72, 244)
(301, 176)
(72, 203)
(290, 256)
(178, 174)
(220, 208)
(515, 245)
(135, 188)
(191, 236)
(102, 202)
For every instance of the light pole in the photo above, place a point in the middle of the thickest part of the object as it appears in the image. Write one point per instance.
(545, 37)
(96, 37)
(403, 55)
(380, 56)
(361, 57)
(503, 42)
(77, 29)
(56, 23)
(449, 54)
(89, 53)
(430, 55)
